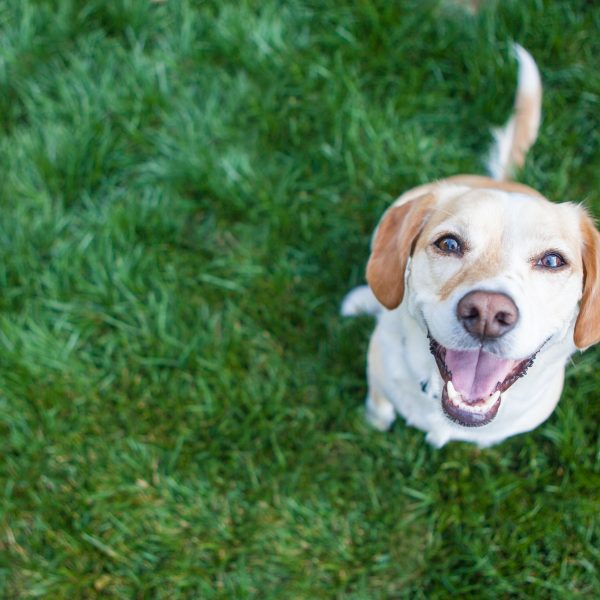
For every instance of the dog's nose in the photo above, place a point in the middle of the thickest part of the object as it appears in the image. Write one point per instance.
(487, 314)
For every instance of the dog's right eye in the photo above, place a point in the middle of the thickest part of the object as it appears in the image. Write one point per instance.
(449, 244)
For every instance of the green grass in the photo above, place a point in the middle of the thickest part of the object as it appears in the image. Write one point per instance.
(187, 191)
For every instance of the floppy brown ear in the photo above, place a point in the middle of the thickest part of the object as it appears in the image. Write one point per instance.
(393, 244)
(587, 326)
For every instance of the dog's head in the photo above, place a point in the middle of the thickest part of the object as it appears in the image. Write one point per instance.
(495, 277)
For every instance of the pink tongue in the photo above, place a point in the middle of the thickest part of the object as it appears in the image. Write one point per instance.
(475, 373)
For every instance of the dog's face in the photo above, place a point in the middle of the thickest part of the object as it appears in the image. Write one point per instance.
(495, 278)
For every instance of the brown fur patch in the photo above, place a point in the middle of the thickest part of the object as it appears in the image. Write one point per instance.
(485, 267)
(587, 326)
(394, 240)
(527, 110)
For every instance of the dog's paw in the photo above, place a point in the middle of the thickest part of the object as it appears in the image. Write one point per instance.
(382, 418)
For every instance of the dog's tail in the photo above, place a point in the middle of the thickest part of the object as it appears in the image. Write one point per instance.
(360, 301)
(520, 132)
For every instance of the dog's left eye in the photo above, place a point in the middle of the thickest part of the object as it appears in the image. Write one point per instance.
(448, 244)
(552, 260)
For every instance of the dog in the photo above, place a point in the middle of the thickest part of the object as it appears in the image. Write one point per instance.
(482, 290)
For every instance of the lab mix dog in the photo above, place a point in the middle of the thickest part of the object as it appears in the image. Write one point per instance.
(482, 289)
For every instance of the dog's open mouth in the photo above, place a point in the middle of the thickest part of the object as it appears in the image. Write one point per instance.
(474, 382)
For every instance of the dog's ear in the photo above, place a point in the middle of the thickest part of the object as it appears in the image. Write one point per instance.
(392, 245)
(587, 326)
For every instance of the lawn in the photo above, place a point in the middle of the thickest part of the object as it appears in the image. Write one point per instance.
(187, 191)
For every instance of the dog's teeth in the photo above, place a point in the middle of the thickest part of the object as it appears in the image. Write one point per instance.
(452, 393)
(481, 406)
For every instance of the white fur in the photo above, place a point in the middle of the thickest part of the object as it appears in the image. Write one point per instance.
(360, 300)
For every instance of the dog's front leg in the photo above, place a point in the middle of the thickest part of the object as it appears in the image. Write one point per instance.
(380, 411)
